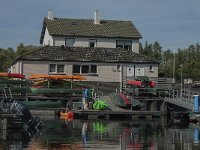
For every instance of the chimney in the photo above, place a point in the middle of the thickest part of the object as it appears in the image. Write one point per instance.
(96, 17)
(50, 15)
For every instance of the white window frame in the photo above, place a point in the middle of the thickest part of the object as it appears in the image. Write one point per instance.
(56, 69)
(89, 69)
(123, 44)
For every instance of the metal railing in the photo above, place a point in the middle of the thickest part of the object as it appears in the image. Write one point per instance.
(181, 98)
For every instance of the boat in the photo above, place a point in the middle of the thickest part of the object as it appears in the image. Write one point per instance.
(56, 77)
(12, 75)
(100, 105)
(9, 105)
(42, 90)
(120, 100)
(123, 101)
(134, 83)
(141, 81)
(141, 86)
(54, 84)
(15, 82)
(67, 115)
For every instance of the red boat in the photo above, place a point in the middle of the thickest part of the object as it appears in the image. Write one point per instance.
(121, 100)
(134, 83)
(152, 83)
(12, 75)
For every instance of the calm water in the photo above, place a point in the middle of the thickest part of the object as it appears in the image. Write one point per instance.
(60, 134)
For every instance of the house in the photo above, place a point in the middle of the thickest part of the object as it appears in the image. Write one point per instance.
(89, 33)
(101, 50)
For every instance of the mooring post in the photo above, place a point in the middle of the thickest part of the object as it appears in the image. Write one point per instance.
(196, 103)
(196, 136)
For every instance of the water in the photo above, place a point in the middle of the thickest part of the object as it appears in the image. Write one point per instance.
(139, 134)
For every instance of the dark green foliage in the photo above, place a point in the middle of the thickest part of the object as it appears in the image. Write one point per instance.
(7, 56)
(189, 58)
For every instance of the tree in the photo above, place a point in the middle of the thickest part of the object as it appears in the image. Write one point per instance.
(157, 51)
(21, 49)
(6, 58)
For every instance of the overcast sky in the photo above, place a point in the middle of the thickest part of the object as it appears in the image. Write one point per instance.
(173, 23)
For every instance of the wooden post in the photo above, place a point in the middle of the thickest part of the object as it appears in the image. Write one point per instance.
(4, 123)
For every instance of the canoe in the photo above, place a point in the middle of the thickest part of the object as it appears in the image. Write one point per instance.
(56, 77)
(15, 89)
(134, 83)
(55, 91)
(120, 100)
(12, 75)
(12, 82)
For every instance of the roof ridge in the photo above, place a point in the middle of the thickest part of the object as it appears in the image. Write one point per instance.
(87, 19)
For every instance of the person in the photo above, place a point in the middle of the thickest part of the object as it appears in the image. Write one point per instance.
(85, 96)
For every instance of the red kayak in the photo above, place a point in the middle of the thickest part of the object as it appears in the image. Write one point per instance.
(13, 75)
(134, 83)
(125, 99)
(152, 83)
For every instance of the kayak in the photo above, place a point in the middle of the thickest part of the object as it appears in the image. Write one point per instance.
(56, 77)
(120, 100)
(55, 91)
(12, 75)
(134, 83)
(67, 115)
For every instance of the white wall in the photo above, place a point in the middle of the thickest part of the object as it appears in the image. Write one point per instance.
(48, 39)
(141, 70)
(106, 72)
(84, 42)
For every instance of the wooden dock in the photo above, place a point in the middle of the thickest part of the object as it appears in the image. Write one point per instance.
(95, 114)
(128, 114)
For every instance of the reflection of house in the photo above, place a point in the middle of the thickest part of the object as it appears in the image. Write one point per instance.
(97, 49)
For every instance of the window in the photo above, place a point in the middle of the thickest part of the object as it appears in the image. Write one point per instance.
(76, 68)
(124, 44)
(69, 42)
(60, 68)
(56, 68)
(151, 68)
(85, 69)
(52, 68)
(118, 68)
(92, 42)
(93, 69)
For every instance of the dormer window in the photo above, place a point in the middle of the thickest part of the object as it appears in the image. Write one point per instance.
(92, 43)
(124, 44)
(69, 42)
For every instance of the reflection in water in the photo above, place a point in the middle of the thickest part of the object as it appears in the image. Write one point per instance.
(107, 135)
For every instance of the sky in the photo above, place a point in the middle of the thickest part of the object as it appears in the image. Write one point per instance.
(173, 23)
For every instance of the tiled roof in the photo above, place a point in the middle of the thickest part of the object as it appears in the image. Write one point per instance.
(86, 28)
(86, 54)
